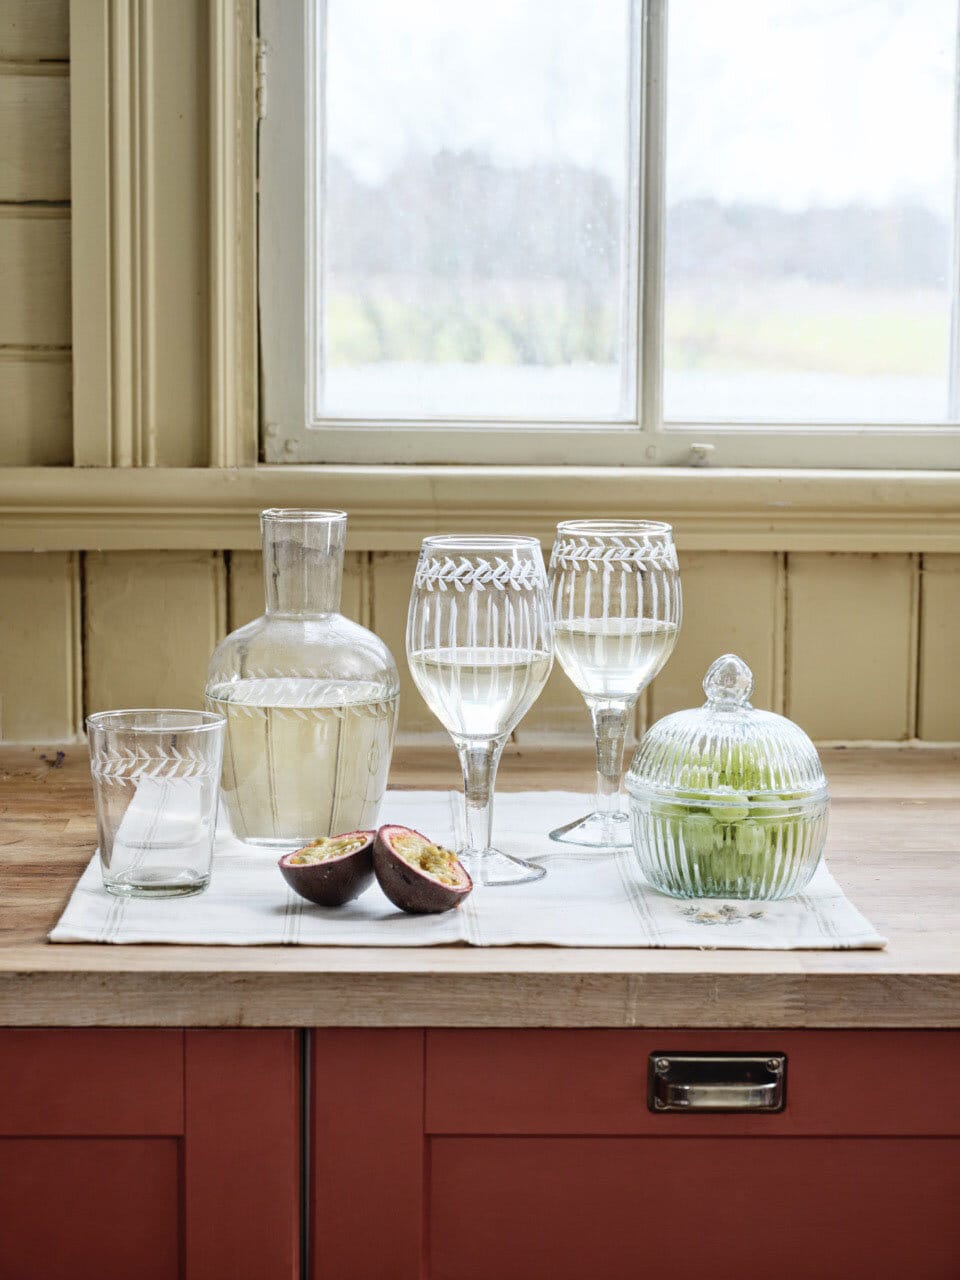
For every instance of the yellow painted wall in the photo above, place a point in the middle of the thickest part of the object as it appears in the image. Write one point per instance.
(854, 647)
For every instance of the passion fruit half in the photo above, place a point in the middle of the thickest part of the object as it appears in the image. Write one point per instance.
(331, 870)
(417, 875)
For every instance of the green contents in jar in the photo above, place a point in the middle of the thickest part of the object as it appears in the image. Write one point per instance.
(742, 842)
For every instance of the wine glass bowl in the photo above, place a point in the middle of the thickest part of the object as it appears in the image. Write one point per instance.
(617, 606)
(480, 648)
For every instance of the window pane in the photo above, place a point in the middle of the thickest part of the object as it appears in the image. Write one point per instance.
(475, 192)
(810, 189)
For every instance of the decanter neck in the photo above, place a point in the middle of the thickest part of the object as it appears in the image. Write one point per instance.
(302, 560)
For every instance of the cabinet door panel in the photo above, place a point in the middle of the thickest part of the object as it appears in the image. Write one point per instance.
(91, 1080)
(630, 1208)
(92, 1207)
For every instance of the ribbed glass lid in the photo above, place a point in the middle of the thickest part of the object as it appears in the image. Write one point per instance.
(726, 746)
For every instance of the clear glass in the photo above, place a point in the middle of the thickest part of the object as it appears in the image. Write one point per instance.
(727, 801)
(617, 606)
(310, 697)
(156, 777)
(480, 648)
(475, 211)
(810, 193)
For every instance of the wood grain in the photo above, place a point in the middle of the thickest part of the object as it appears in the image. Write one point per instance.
(35, 417)
(851, 656)
(34, 30)
(731, 604)
(892, 845)
(151, 622)
(939, 692)
(34, 276)
(35, 138)
(39, 635)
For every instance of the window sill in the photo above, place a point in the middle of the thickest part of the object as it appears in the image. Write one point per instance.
(392, 507)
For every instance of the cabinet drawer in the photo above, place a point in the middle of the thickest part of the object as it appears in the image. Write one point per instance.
(893, 1083)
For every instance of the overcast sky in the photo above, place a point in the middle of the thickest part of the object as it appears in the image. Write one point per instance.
(782, 102)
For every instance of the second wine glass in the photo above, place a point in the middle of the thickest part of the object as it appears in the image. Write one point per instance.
(480, 648)
(617, 607)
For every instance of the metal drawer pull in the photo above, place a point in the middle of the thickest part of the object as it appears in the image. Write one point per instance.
(716, 1081)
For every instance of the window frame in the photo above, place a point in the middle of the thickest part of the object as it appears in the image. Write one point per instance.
(288, 177)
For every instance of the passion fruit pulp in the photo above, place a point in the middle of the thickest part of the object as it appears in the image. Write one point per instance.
(331, 870)
(417, 875)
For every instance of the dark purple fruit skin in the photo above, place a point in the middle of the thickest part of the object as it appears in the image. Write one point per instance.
(333, 883)
(409, 889)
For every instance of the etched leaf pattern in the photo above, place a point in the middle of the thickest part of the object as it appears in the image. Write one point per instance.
(132, 763)
(627, 552)
(445, 573)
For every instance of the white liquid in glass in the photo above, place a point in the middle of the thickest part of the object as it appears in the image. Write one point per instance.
(613, 657)
(304, 758)
(478, 692)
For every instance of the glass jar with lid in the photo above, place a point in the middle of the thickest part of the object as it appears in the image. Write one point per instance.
(310, 697)
(727, 801)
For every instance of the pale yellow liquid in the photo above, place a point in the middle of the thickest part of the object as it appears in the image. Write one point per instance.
(479, 692)
(613, 657)
(303, 758)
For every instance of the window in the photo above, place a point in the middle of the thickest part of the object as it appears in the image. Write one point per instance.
(611, 232)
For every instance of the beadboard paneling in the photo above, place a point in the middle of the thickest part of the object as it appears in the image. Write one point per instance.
(34, 277)
(245, 587)
(851, 645)
(35, 30)
(40, 644)
(152, 620)
(35, 137)
(36, 428)
(731, 604)
(392, 577)
(939, 691)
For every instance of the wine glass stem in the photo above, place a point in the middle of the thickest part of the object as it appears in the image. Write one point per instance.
(610, 730)
(479, 758)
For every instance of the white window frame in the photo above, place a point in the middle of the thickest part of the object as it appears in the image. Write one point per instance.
(288, 181)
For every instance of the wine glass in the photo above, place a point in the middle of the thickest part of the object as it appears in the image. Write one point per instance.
(617, 607)
(480, 648)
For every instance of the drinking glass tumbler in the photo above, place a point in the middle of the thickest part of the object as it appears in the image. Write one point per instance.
(480, 648)
(156, 784)
(617, 608)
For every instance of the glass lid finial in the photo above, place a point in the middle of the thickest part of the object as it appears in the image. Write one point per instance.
(728, 682)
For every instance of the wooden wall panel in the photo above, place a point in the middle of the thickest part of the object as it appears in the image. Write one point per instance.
(40, 644)
(176, 348)
(34, 276)
(939, 691)
(152, 620)
(36, 427)
(731, 604)
(392, 577)
(851, 645)
(35, 30)
(35, 137)
(245, 587)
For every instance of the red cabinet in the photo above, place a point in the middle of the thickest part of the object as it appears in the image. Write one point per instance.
(157, 1154)
(471, 1155)
(464, 1155)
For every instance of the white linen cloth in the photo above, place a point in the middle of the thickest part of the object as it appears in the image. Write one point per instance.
(587, 899)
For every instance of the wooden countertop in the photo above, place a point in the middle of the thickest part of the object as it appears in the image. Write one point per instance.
(894, 845)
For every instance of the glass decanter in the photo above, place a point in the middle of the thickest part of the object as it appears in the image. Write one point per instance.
(310, 697)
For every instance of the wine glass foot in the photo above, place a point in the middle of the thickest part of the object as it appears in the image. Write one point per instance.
(492, 868)
(596, 831)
